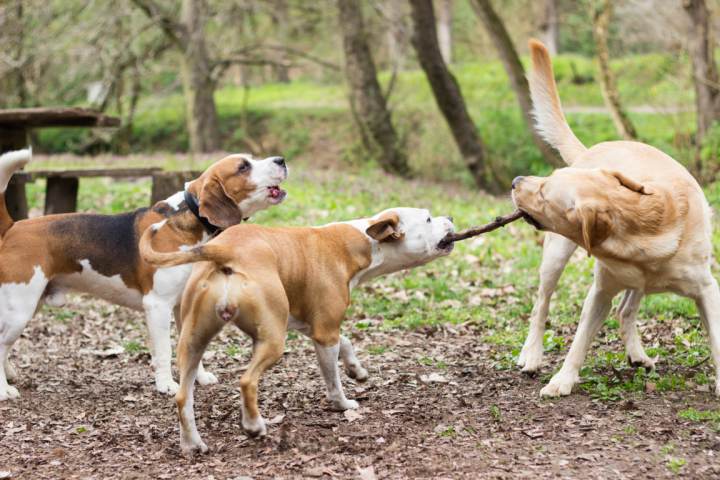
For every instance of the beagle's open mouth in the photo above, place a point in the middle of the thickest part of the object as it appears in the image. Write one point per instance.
(526, 216)
(276, 194)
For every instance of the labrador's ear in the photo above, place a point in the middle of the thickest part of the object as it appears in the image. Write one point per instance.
(628, 182)
(217, 206)
(594, 227)
(385, 228)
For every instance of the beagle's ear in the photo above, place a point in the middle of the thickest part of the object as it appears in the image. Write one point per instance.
(593, 226)
(385, 228)
(216, 205)
(628, 182)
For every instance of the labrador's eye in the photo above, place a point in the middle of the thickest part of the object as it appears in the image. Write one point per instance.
(429, 220)
(244, 167)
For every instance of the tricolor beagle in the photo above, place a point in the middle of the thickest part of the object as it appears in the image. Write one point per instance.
(277, 278)
(42, 257)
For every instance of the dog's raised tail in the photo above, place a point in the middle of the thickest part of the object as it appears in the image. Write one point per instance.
(10, 162)
(211, 253)
(547, 110)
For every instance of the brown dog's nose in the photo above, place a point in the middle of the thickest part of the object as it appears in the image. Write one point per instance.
(279, 161)
(516, 181)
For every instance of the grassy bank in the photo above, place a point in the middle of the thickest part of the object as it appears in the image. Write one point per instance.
(305, 117)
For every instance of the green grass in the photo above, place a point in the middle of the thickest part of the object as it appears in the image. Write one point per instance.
(295, 118)
(488, 283)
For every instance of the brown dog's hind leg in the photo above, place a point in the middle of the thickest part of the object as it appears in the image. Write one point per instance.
(266, 352)
(194, 339)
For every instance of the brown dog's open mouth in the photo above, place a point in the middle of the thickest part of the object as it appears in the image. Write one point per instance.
(526, 216)
(276, 194)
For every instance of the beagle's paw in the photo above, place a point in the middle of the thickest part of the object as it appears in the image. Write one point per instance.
(254, 427)
(168, 386)
(206, 378)
(9, 393)
(191, 448)
(340, 405)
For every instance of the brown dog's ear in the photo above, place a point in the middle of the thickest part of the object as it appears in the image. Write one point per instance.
(593, 226)
(217, 206)
(628, 182)
(384, 229)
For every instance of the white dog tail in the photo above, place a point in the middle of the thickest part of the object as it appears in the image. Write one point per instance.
(549, 118)
(10, 162)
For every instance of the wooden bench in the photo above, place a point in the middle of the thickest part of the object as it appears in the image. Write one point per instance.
(62, 186)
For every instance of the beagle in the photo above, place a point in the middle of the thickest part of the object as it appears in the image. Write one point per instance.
(637, 210)
(42, 257)
(279, 278)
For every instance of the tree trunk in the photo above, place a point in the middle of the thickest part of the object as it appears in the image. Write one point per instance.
(281, 20)
(198, 84)
(705, 72)
(511, 61)
(447, 93)
(366, 96)
(444, 26)
(549, 32)
(396, 34)
(601, 21)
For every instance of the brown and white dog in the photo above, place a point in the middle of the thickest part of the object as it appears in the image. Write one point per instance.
(42, 257)
(638, 211)
(264, 280)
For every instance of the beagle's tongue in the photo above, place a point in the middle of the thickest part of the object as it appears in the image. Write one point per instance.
(275, 191)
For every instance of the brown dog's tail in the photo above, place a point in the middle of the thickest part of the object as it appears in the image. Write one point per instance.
(10, 162)
(549, 118)
(211, 253)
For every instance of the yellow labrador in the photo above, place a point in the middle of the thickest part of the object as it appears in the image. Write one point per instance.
(638, 211)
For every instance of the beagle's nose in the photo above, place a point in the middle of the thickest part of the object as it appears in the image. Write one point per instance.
(279, 161)
(450, 218)
(516, 181)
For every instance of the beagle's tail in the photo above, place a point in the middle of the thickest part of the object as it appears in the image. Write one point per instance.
(201, 253)
(549, 118)
(10, 162)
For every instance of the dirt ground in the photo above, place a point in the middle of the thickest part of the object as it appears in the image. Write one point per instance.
(85, 415)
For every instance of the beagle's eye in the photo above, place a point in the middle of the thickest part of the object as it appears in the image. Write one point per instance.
(244, 167)
(429, 220)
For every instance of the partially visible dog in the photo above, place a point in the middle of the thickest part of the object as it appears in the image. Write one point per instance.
(264, 280)
(638, 211)
(42, 257)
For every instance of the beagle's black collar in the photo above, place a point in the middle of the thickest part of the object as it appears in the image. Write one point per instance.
(192, 204)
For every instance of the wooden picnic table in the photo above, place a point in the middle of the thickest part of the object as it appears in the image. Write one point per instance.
(62, 185)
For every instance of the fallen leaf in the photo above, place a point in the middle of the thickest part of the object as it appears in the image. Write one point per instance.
(367, 473)
(433, 378)
(276, 419)
(352, 415)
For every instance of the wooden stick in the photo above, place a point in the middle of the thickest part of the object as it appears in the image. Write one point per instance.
(489, 227)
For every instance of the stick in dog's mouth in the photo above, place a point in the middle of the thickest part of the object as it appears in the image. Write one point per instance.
(475, 231)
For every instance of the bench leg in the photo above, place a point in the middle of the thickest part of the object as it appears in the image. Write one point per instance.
(166, 183)
(61, 195)
(16, 200)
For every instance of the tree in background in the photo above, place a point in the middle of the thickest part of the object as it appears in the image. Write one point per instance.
(601, 14)
(444, 29)
(447, 93)
(549, 26)
(705, 72)
(187, 34)
(511, 61)
(366, 98)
